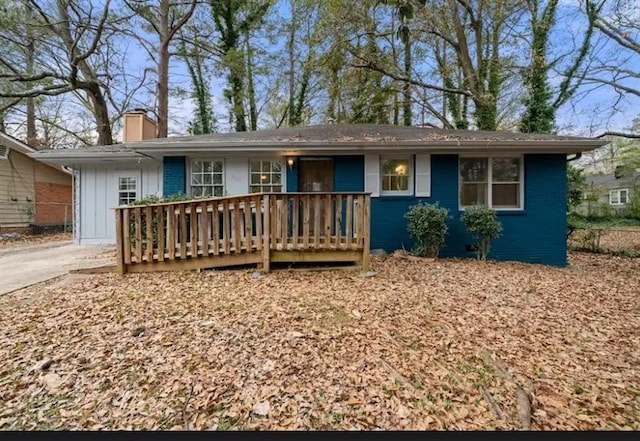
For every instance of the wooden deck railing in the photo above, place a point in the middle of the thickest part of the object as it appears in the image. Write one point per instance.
(249, 229)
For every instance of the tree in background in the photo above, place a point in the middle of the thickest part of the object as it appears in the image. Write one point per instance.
(576, 184)
(164, 19)
(234, 19)
(540, 103)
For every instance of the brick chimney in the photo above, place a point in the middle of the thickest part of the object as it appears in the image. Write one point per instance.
(137, 126)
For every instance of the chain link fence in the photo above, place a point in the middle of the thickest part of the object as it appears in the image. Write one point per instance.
(613, 240)
(27, 218)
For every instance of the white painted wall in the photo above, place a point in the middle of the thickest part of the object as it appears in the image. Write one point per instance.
(98, 196)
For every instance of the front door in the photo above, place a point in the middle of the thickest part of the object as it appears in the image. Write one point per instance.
(316, 175)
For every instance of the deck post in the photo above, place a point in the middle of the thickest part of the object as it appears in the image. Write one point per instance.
(366, 235)
(120, 242)
(266, 229)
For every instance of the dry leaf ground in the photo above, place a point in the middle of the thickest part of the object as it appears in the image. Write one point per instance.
(11, 242)
(414, 347)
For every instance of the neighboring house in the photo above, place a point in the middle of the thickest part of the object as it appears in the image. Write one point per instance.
(32, 193)
(608, 194)
(522, 176)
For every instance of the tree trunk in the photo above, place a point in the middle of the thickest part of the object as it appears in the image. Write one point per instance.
(163, 91)
(251, 93)
(163, 69)
(101, 113)
(406, 105)
(292, 64)
(32, 134)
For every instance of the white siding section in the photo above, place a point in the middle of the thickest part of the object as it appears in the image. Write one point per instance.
(372, 174)
(423, 175)
(99, 195)
(236, 175)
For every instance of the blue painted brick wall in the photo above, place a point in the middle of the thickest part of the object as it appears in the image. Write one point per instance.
(537, 234)
(174, 175)
(292, 178)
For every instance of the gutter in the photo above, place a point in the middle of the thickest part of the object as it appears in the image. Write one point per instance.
(576, 157)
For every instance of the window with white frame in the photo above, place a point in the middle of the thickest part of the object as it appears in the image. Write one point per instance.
(265, 176)
(127, 190)
(619, 196)
(207, 178)
(492, 181)
(396, 175)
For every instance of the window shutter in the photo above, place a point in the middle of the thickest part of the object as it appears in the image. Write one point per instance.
(423, 175)
(372, 174)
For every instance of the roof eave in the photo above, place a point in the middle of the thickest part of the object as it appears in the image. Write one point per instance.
(449, 146)
(60, 158)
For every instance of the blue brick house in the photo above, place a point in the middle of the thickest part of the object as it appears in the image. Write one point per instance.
(521, 176)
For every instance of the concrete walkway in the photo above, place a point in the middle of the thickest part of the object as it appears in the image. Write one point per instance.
(24, 266)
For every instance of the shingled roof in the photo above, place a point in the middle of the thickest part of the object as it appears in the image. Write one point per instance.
(360, 133)
(333, 138)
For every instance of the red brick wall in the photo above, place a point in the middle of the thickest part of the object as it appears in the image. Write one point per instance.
(51, 200)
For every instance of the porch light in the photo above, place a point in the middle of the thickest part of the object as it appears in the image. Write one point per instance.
(290, 162)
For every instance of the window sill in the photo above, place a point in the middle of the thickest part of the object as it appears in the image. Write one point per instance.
(396, 197)
(499, 213)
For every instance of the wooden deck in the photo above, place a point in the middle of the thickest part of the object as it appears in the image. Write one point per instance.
(250, 229)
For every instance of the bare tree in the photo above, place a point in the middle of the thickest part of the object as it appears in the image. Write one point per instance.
(70, 32)
(619, 22)
(164, 18)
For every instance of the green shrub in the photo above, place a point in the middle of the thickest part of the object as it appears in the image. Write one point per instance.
(427, 225)
(153, 199)
(483, 224)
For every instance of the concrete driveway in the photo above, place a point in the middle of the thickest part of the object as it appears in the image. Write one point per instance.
(23, 266)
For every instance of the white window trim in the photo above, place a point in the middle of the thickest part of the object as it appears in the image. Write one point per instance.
(490, 180)
(283, 171)
(138, 183)
(618, 192)
(190, 161)
(410, 173)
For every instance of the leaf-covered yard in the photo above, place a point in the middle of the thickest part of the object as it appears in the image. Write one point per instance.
(423, 344)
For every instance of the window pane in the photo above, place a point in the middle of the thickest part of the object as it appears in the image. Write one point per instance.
(276, 178)
(399, 183)
(471, 194)
(613, 197)
(196, 166)
(196, 179)
(395, 166)
(217, 191)
(255, 178)
(386, 183)
(277, 188)
(216, 166)
(207, 179)
(474, 169)
(217, 179)
(276, 167)
(506, 195)
(255, 166)
(266, 167)
(506, 169)
(623, 196)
